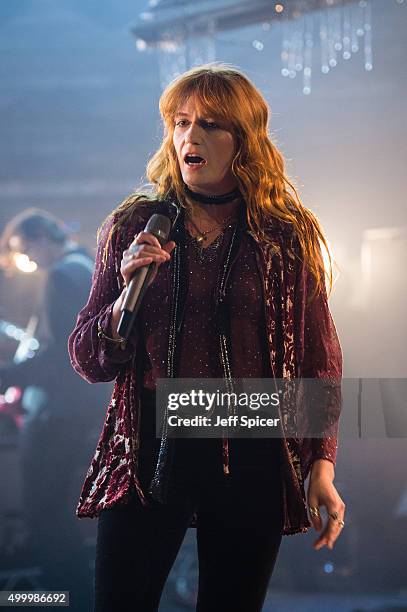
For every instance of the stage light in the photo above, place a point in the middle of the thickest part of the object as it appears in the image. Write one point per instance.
(24, 264)
(141, 44)
(12, 395)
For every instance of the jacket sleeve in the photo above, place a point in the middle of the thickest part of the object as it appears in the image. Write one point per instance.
(321, 360)
(97, 359)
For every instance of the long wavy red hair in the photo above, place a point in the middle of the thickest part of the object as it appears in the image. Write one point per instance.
(223, 92)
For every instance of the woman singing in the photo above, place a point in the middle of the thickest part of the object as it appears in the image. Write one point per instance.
(238, 291)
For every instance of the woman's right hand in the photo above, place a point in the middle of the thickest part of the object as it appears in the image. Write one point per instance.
(144, 249)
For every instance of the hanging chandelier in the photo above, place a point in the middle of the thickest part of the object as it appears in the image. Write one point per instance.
(333, 33)
(316, 34)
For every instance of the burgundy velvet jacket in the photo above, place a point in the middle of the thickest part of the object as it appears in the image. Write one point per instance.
(302, 340)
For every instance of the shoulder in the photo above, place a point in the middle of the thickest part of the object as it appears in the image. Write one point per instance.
(276, 228)
(128, 217)
(281, 237)
(135, 218)
(120, 227)
(74, 259)
(74, 268)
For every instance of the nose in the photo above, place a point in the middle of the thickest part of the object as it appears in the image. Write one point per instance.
(192, 135)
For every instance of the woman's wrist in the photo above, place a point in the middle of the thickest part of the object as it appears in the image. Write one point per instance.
(116, 314)
(323, 467)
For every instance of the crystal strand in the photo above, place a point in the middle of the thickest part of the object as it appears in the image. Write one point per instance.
(346, 33)
(338, 31)
(171, 54)
(285, 48)
(309, 43)
(333, 35)
(360, 30)
(368, 36)
(354, 21)
(201, 47)
(323, 35)
(291, 54)
(299, 46)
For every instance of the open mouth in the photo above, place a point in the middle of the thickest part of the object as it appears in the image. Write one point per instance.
(194, 160)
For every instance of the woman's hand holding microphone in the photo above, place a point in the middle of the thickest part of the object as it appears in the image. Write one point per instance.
(144, 249)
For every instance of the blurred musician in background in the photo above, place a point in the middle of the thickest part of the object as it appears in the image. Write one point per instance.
(57, 433)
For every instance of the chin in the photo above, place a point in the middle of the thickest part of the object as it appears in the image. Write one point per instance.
(197, 183)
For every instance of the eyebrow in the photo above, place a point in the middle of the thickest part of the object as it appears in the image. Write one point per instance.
(182, 114)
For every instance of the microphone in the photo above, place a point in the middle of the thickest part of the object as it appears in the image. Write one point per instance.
(160, 227)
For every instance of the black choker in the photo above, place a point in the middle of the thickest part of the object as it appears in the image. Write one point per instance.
(212, 199)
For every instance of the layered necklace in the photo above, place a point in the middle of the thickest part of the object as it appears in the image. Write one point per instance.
(209, 253)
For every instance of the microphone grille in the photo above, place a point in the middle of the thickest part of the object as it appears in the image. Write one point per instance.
(160, 226)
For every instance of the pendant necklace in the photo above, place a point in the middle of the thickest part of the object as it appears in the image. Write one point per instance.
(208, 253)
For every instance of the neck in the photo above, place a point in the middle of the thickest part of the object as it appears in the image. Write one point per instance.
(212, 199)
(213, 212)
(212, 207)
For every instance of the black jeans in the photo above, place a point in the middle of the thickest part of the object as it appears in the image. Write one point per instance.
(239, 526)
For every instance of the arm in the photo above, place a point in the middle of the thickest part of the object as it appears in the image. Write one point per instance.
(98, 359)
(321, 358)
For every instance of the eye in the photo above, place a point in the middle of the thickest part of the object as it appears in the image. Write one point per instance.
(180, 123)
(211, 125)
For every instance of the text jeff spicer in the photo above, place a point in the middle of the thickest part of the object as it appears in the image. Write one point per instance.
(230, 421)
